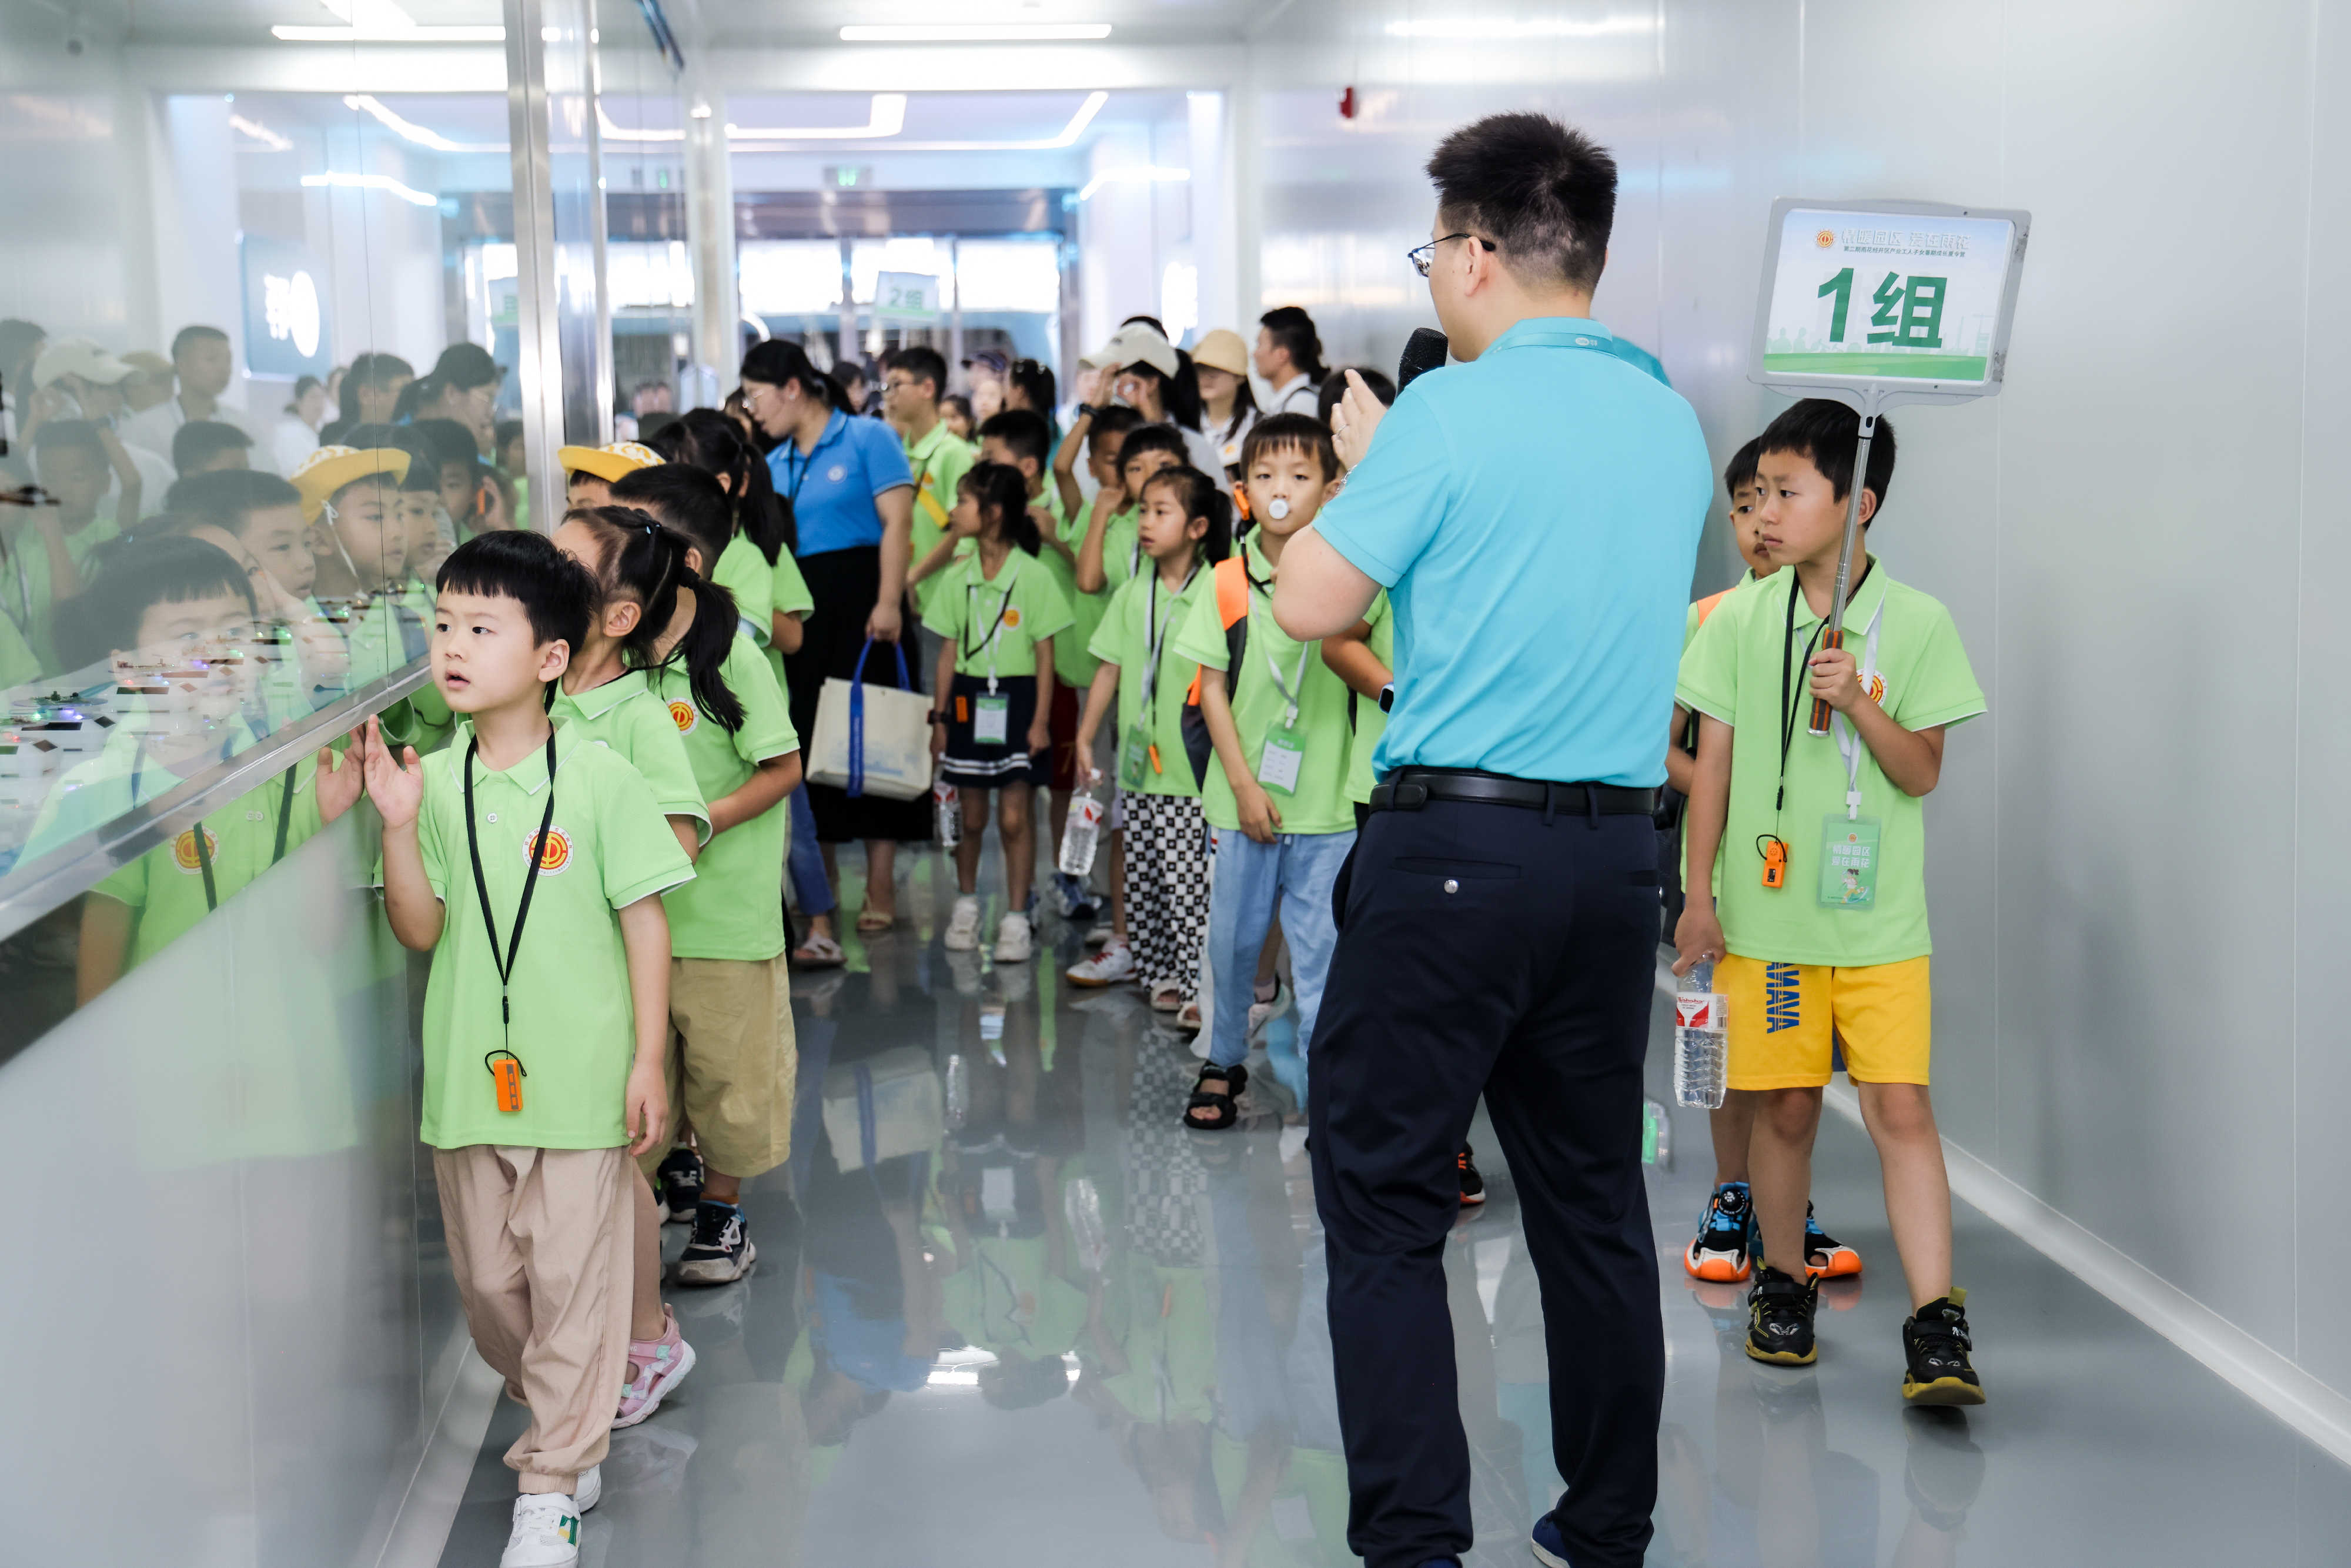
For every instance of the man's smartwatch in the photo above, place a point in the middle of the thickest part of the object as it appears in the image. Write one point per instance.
(1387, 698)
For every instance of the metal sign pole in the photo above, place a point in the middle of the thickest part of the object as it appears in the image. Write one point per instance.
(1835, 638)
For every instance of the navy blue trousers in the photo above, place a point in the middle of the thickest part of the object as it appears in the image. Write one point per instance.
(1498, 950)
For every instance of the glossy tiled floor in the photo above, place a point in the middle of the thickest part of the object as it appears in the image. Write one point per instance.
(1017, 1317)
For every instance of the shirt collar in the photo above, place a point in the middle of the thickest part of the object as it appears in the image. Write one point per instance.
(832, 427)
(598, 701)
(529, 775)
(1253, 562)
(1552, 332)
(920, 451)
(1863, 605)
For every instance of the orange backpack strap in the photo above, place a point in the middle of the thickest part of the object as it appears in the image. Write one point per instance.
(1231, 581)
(1705, 606)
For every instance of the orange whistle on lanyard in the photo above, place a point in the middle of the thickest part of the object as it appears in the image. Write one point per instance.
(1775, 863)
(508, 1072)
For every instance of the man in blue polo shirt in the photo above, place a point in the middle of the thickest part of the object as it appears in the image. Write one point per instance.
(1533, 513)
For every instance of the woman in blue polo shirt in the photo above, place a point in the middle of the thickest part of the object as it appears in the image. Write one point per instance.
(852, 498)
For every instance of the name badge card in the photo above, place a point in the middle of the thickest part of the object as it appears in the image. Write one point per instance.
(990, 718)
(1134, 759)
(1278, 765)
(1849, 863)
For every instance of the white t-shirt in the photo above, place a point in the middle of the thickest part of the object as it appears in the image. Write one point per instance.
(154, 429)
(1300, 395)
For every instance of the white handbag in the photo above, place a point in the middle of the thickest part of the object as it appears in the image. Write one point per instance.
(871, 740)
(884, 1107)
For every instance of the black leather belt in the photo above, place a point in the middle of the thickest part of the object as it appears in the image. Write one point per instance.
(1411, 789)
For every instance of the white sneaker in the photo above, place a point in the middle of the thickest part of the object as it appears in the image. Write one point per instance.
(1014, 939)
(1113, 963)
(963, 925)
(589, 1490)
(546, 1532)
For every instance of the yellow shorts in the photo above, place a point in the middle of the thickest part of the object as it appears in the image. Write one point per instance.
(733, 1063)
(1784, 1017)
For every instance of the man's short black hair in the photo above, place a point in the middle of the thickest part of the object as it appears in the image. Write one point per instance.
(1290, 433)
(69, 436)
(423, 454)
(162, 570)
(1334, 387)
(200, 441)
(187, 335)
(684, 498)
(555, 592)
(446, 441)
(1145, 438)
(923, 364)
(1293, 329)
(1740, 472)
(1544, 194)
(1023, 432)
(1118, 419)
(227, 497)
(1823, 432)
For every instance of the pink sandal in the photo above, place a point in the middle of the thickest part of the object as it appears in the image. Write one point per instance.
(656, 1367)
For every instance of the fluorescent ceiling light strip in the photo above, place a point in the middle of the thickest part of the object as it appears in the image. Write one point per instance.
(978, 33)
(417, 35)
(259, 132)
(383, 182)
(887, 117)
(1467, 27)
(408, 130)
(1067, 137)
(1123, 176)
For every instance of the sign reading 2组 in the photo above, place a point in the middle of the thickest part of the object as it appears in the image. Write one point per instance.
(285, 317)
(1904, 293)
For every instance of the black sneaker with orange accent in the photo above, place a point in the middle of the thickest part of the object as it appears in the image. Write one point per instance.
(1473, 1186)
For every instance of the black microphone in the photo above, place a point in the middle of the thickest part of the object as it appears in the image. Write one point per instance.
(1425, 351)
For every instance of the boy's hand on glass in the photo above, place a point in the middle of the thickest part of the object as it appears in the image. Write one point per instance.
(645, 1109)
(339, 780)
(1260, 817)
(396, 784)
(1697, 935)
(1836, 678)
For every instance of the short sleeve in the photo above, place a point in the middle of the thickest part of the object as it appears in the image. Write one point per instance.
(638, 853)
(1109, 644)
(1396, 497)
(944, 614)
(1201, 637)
(1942, 688)
(743, 571)
(1046, 606)
(789, 588)
(883, 456)
(659, 753)
(767, 723)
(1708, 682)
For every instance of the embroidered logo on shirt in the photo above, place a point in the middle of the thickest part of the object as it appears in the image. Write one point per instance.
(682, 715)
(184, 850)
(1012, 616)
(1877, 689)
(837, 473)
(555, 854)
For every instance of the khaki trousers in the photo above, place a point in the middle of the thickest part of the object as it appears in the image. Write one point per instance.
(539, 1243)
(734, 1063)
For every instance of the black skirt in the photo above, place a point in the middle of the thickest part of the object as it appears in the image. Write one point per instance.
(845, 583)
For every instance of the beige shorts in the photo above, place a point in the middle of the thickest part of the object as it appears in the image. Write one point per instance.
(733, 1063)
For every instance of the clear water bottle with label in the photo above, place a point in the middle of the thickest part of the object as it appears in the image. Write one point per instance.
(1701, 1043)
(1082, 1205)
(948, 802)
(1083, 832)
(958, 1090)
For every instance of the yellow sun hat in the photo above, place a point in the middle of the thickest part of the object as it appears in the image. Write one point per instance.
(330, 468)
(610, 464)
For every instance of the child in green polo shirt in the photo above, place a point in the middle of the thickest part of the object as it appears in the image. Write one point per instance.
(912, 380)
(530, 861)
(360, 552)
(730, 1006)
(1807, 880)
(998, 612)
(1185, 528)
(1278, 792)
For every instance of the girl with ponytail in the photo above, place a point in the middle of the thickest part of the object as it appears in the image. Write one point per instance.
(756, 565)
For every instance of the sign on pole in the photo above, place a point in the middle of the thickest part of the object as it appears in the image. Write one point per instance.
(906, 296)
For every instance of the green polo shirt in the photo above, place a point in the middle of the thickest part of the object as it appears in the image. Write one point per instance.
(1073, 659)
(1122, 558)
(624, 715)
(734, 907)
(165, 886)
(790, 596)
(996, 622)
(744, 573)
(939, 462)
(19, 665)
(1320, 803)
(1370, 722)
(124, 774)
(371, 628)
(1135, 613)
(573, 1023)
(1732, 673)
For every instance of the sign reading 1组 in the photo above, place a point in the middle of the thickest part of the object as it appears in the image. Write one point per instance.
(1902, 293)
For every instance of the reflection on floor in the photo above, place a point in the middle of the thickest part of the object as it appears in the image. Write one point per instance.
(1018, 1316)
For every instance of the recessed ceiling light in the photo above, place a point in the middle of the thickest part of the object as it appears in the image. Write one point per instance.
(1469, 27)
(383, 182)
(978, 33)
(417, 35)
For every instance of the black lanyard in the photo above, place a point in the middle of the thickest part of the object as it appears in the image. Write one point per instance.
(1790, 704)
(529, 881)
(276, 853)
(800, 472)
(972, 586)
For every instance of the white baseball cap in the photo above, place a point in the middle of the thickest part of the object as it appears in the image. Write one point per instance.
(77, 357)
(1133, 344)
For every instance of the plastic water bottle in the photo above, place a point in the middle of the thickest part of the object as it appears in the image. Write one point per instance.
(1083, 830)
(958, 1090)
(1701, 1045)
(1081, 1202)
(948, 802)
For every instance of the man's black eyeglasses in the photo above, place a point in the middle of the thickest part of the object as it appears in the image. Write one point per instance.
(1422, 257)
